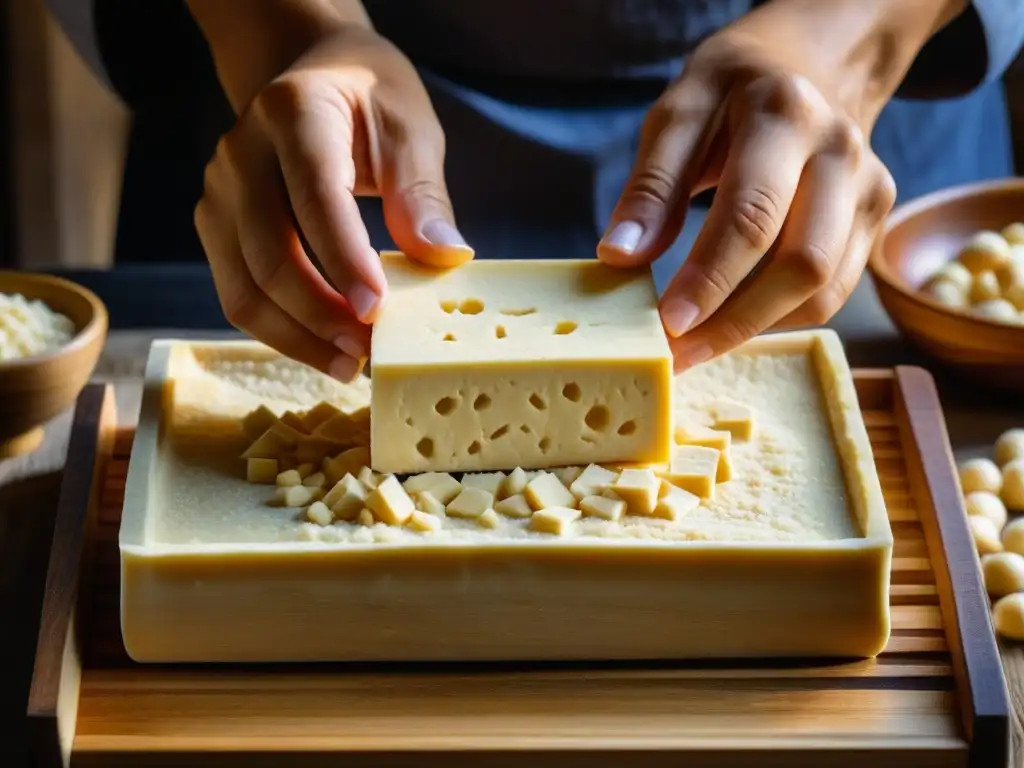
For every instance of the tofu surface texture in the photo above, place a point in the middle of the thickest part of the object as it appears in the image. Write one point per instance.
(790, 558)
(534, 363)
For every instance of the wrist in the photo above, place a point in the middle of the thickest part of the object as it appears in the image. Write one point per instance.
(254, 42)
(863, 49)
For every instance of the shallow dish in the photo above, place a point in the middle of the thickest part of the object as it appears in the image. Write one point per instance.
(208, 575)
(35, 389)
(920, 236)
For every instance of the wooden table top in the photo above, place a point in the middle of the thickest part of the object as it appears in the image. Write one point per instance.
(29, 488)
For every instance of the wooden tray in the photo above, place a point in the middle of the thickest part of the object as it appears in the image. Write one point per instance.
(936, 697)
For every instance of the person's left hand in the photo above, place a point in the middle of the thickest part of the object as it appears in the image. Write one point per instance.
(773, 111)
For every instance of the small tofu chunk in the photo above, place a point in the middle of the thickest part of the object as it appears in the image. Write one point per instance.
(604, 507)
(719, 439)
(365, 517)
(257, 422)
(546, 490)
(289, 478)
(315, 449)
(424, 521)
(554, 520)
(369, 478)
(639, 489)
(489, 519)
(694, 469)
(291, 419)
(470, 503)
(592, 481)
(567, 475)
(346, 498)
(315, 480)
(514, 484)
(319, 513)
(489, 481)
(674, 503)
(305, 469)
(389, 502)
(317, 415)
(514, 506)
(441, 485)
(425, 501)
(347, 462)
(278, 439)
(261, 470)
(735, 418)
(295, 496)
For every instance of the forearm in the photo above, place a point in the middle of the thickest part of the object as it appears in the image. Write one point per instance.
(253, 41)
(863, 47)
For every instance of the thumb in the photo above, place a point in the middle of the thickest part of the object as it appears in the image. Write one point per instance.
(417, 209)
(650, 212)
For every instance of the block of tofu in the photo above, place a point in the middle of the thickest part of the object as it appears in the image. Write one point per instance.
(535, 364)
(791, 558)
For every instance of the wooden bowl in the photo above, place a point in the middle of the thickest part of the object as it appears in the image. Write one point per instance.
(921, 235)
(35, 389)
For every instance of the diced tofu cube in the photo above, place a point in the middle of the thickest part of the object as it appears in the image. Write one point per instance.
(315, 480)
(347, 462)
(567, 475)
(315, 449)
(261, 471)
(317, 415)
(470, 503)
(514, 484)
(489, 481)
(425, 501)
(733, 417)
(346, 498)
(592, 481)
(291, 419)
(604, 507)
(554, 520)
(365, 518)
(440, 485)
(258, 421)
(389, 502)
(295, 496)
(694, 469)
(674, 503)
(369, 478)
(305, 469)
(639, 489)
(423, 521)
(276, 440)
(489, 519)
(289, 478)
(514, 506)
(319, 513)
(719, 439)
(546, 490)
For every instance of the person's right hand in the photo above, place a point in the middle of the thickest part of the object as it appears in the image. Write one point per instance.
(350, 117)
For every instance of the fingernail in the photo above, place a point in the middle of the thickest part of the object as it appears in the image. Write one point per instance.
(344, 368)
(364, 301)
(688, 358)
(350, 347)
(678, 314)
(624, 237)
(439, 232)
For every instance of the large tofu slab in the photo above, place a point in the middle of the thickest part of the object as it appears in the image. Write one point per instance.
(791, 557)
(498, 364)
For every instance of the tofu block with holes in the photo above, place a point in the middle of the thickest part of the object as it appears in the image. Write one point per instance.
(536, 363)
(790, 558)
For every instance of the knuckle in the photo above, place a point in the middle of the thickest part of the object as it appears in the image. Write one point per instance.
(711, 283)
(736, 331)
(812, 265)
(822, 307)
(787, 97)
(756, 218)
(652, 184)
(269, 275)
(281, 102)
(882, 193)
(238, 307)
(846, 140)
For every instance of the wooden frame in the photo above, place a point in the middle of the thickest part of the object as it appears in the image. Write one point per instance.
(365, 713)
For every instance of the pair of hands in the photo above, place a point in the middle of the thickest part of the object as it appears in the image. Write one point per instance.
(780, 135)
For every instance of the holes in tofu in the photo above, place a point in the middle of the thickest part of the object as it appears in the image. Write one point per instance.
(445, 405)
(482, 402)
(449, 337)
(572, 392)
(597, 418)
(627, 428)
(519, 312)
(471, 306)
(544, 444)
(524, 428)
(474, 448)
(408, 421)
(500, 332)
(565, 327)
(538, 402)
(425, 447)
(499, 432)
